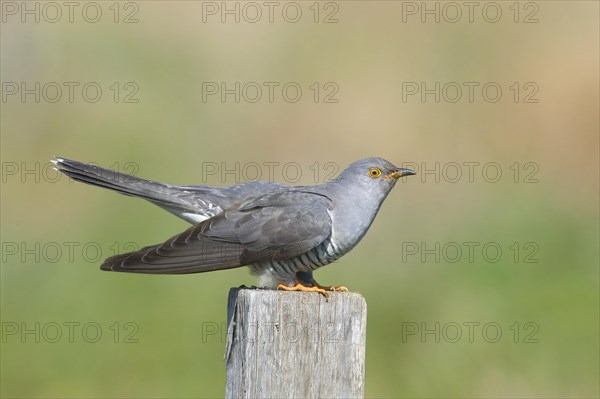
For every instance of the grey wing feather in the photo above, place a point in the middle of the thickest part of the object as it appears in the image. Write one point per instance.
(213, 200)
(276, 226)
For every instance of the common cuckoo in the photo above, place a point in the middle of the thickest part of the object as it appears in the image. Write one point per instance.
(281, 233)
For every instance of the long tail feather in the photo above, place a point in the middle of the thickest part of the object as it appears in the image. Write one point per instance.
(158, 193)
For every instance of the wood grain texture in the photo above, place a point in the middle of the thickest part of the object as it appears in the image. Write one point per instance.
(295, 344)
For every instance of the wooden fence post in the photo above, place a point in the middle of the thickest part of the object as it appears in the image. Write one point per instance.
(295, 344)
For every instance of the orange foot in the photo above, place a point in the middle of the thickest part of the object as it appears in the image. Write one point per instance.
(299, 287)
(316, 287)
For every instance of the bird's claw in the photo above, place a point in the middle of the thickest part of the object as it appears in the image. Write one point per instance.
(329, 287)
(339, 288)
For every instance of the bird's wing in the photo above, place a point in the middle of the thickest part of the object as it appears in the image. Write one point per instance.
(274, 226)
(209, 201)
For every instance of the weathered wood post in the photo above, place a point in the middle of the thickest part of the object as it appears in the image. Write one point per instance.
(295, 344)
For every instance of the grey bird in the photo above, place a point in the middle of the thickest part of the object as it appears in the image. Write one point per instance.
(281, 233)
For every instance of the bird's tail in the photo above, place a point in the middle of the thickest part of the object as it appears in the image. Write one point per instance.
(158, 193)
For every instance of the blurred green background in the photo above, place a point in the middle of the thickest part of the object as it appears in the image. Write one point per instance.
(170, 134)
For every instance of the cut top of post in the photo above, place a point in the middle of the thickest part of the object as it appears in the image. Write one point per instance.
(295, 344)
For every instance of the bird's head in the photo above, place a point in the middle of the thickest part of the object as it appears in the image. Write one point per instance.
(374, 176)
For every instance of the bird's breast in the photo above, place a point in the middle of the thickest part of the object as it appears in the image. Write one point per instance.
(349, 227)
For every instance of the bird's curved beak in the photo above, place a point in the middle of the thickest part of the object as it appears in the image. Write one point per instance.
(400, 173)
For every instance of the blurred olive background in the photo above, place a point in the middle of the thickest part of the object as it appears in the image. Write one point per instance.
(170, 134)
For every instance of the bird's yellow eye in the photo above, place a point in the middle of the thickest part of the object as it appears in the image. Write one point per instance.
(374, 172)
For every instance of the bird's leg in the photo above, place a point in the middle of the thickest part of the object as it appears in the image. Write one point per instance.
(328, 287)
(298, 286)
